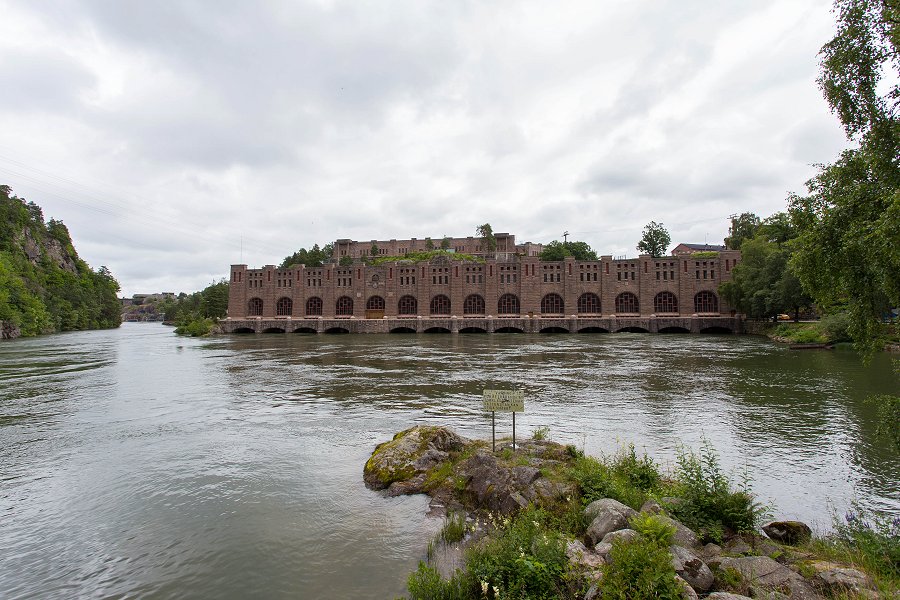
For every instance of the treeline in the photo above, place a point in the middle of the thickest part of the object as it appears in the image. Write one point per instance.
(44, 286)
(195, 314)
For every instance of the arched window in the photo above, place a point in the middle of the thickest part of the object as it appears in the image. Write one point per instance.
(665, 302)
(314, 307)
(706, 302)
(552, 304)
(375, 303)
(627, 303)
(508, 305)
(344, 306)
(254, 307)
(407, 305)
(440, 305)
(284, 306)
(473, 305)
(588, 303)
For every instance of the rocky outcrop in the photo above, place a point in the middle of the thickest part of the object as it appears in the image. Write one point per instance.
(767, 576)
(9, 331)
(788, 532)
(457, 471)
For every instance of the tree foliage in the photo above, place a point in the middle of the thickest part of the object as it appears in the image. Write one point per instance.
(849, 246)
(314, 257)
(44, 285)
(655, 240)
(194, 314)
(486, 233)
(764, 284)
(557, 250)
(743, 226)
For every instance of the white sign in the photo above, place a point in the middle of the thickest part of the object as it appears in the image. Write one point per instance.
(504, 401)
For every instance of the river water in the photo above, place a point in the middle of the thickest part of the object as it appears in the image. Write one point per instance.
(135, 463)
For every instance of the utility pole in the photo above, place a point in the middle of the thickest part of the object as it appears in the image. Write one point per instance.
(565, 237)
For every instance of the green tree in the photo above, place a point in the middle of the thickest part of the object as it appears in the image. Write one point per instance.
(314, 257)
(655, 240)
(849, 246)
(445, 243)
(429, 245)
(486, 233)
(743, 226)
(557, 250)
(374, 249)
(764, 283)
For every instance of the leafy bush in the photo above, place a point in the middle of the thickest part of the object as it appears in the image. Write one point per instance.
(866, 538)
(541, 433)
(653, 528)
(836, 327)
(639, 569)
(710, 505)
(524, 559)
(427, 584)
(195, 328)
(624, 477)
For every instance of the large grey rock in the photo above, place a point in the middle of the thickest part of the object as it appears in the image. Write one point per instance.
(687, 592)
(624, 535)
(604, 523)
(579, 555)
(689, 567)
(726, 596)
(606, 505)
(788, 532)
(769, 577)
(738, 545)
(684, 536)
(651, 506)
(838, 579)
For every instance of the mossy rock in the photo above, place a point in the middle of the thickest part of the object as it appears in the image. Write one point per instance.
(411, 453)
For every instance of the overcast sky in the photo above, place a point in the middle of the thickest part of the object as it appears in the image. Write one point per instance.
(175, 138)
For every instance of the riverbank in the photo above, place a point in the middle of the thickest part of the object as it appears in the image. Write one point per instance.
(542, 520)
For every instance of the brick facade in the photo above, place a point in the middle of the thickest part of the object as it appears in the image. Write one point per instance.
(672, 286)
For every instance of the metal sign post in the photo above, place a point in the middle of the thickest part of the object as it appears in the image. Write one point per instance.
(503, 401)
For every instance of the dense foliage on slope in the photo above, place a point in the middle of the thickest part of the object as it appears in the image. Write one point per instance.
(195, 314)
(44, 286)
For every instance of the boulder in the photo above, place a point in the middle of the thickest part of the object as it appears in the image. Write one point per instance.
(738, 545)
(710, 550)
(687, 592)
(769, 577)
(625, 535)
(689, 567)
(684, 536)
(409, 454)
(606, 515)
(651, 506)
(788, 532)
(840, 579)
(579, 555)
(726, 596)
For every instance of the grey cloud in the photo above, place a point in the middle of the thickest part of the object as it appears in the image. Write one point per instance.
(42, 81)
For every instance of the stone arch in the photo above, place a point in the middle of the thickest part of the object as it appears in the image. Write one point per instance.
(407, 305)
(473, 330)
(343, 306)
(665, 302)
(473, 305)
(588, 303)
(284, 307)
(628, 303)
(403, 330)
(706, 302)
(508, 304)
(314, 307)
(552, 304)
(255, 307)
(273, 330)
(375, 303)
(305, 330)
(440, 305)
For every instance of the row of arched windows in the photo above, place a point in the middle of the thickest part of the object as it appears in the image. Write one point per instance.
(508, 304)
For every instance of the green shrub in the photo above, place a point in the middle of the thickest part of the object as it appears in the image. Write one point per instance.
(523, 559)
(454, 528)
(623, 477)
(541, 433)
(868, 539)
(710, 505)
(653, 528)
(427, 584)
(195, 328)
(836, 327)
(639, 569)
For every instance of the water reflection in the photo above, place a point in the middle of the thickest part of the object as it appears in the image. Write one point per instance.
(138, 463)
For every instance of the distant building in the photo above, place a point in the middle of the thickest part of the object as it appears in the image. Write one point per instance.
(692, 248)
(506, 245)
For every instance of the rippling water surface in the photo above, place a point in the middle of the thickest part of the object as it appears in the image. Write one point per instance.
(135, 463)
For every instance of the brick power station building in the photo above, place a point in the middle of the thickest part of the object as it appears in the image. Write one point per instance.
(506, 290)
